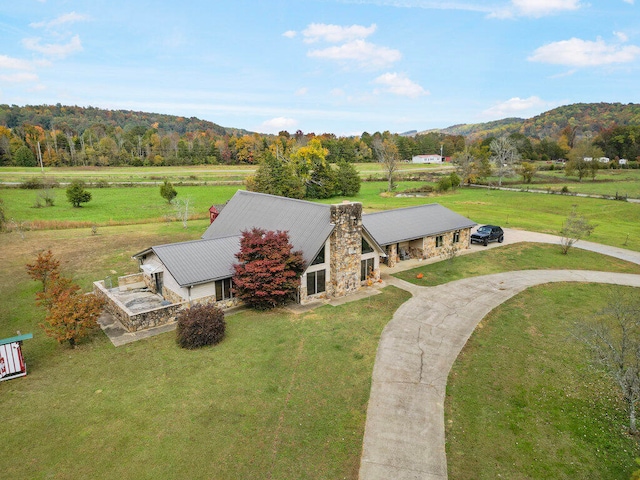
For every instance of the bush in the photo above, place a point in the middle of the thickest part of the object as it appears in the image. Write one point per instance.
(444, 184)
(199, 326)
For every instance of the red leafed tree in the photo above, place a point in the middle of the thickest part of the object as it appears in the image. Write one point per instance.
(70, 313)
(44, 269)
(269, 270)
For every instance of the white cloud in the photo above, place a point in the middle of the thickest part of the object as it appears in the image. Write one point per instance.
(336, 33)
(399, 84)
(621, 36)
(536, 8)
(278, 124)
(63, 19)
(14, 63)
(19, 77)
(53, 49)
(337, 93)
(516, 107)
(364, 53)
(576, 52)
(290, 34)
(301, 92)
(630, 2)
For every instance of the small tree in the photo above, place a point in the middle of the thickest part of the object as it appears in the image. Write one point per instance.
(348, 179)
(269, 270)
(387, 153)
(504, 155)
(527, 170)
(70, 313)
(76, 194)
(575, 228)
(613, 338)
(167, 191)
(199, 326)
(44, 269)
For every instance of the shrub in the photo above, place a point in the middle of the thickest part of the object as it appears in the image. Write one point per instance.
(444, 184)
(199, 326)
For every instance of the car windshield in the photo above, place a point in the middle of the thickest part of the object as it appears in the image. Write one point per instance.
(484, 230)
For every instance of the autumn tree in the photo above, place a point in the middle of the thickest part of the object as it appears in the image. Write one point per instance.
(583, 160)
(76, 194)
(387, 154)
(527, 170)
(70, 313)
(613, 339)
(268, 271)
(44, 269)
(167, 191)
(504, 154)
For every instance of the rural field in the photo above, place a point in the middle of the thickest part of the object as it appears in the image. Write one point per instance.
(284, 395)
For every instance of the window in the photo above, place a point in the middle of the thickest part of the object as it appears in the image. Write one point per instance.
(439, 241)
(315, 282)
(456, 237)
(223, 289)
(320, 257)
(366, 248)
(366, 267)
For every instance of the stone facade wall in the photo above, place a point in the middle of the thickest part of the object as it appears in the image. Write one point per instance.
(345, 249)
(129, 282)
(171, 296)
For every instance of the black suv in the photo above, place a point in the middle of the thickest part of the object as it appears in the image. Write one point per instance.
(486, 234)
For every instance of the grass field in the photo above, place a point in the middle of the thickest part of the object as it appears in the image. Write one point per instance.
(607, 182)
(523, 403)
(186, 173)
(618, 223)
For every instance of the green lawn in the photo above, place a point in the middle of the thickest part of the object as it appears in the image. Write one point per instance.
(283, 396)
(523, 403)
(608, 182)
(519, 256)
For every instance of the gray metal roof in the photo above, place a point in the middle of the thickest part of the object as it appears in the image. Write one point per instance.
(393, 226)
(308, 224)
(199, 261)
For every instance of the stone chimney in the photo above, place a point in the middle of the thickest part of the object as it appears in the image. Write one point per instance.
(345, 248)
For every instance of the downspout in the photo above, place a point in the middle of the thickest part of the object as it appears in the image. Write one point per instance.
(189, 294)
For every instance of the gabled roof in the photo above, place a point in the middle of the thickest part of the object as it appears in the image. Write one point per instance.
(393, 226)
(198, 261)
(308, 224)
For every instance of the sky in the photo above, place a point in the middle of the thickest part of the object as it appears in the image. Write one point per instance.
(322, 66)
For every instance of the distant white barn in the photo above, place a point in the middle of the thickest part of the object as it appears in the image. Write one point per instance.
(435, 158)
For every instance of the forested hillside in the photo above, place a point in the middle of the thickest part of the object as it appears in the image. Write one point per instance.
(76, 136)
(78, 119)
(587, 119)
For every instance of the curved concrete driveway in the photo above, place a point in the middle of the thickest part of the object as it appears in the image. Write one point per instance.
(404, 433)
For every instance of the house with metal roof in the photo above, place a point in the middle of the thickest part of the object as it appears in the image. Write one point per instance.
(342, 250)
(338, 252)
(422, 231)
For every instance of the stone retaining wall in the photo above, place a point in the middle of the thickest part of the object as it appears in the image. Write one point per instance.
(136, 321)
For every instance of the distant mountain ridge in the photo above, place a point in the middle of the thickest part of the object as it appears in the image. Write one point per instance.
(589, 119)
(77, 119)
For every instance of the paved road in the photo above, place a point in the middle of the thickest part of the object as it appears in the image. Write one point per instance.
(404, 433)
